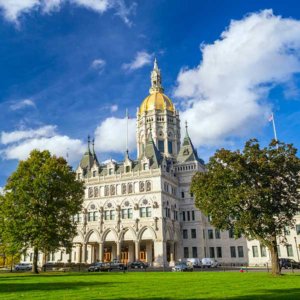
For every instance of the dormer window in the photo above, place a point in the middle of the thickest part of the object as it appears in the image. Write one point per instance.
(127, 169)
(145, 166)
(79, 176)
(110, 171)
(94, 173)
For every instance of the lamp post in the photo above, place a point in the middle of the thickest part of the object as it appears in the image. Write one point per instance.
(295, 238)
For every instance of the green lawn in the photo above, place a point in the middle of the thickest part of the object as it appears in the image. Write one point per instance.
(149, 285)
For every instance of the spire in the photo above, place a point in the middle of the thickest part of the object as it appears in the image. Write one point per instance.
(94, 153)
(156, 79)
(155, 66)
(187, 151)
(186, 129)
(89, 141)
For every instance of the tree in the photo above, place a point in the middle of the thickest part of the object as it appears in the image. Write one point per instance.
(40, 199)
(255, 192)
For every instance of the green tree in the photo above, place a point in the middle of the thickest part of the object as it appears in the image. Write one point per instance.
(39, 200)
(254, 192)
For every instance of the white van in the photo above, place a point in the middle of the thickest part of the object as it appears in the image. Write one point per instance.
(195, 262)
(209, 263)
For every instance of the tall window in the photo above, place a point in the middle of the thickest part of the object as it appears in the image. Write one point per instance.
(183, 216)
(240, 251)
(211, 252)
(263, 251)
(232, 251)
(298, 229)
(231, 233)
(278, 250)
(289, 250)
(210, 234)
(127, 213)
(161, 146)
(170, 147)
(219, 252)
(145, 212)
(195, 253)
(186, 252)
(193, 215)
(109, 214)
(287, 230)
(255, 251)
(188, 216)
(185, 233)
(193, 233)
(217, 233)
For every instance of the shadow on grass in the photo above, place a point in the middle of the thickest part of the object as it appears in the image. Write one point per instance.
(265, 294)
(48, 286)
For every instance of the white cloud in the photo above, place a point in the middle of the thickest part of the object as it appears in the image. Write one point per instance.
(22, 104)
(114, 108)
(225, 96)
(1, 190)
(98, 64)
(124, 11)
(141, 59)
(13, 9)
(110, 135)
(19, 135)
(20, 143)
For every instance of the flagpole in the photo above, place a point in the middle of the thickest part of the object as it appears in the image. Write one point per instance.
(274, 129)
(126, 129)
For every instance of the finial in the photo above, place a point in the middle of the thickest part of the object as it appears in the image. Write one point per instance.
(89, 141)
(155, 67)
(93, 144)
(186, 128)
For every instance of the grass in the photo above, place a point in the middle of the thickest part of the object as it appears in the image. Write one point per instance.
(149, 285)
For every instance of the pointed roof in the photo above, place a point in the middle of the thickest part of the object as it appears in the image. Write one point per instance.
(94, 153)
(87, 159)
(152, 153)
(187, 151)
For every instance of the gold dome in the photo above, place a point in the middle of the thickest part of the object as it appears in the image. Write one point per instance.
(158, 101)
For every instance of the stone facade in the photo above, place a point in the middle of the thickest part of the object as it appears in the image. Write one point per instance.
(143, 210)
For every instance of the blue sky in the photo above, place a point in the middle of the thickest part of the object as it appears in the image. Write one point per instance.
(71, 69)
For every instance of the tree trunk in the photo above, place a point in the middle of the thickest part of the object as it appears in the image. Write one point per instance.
(274, 257)
(35, 261)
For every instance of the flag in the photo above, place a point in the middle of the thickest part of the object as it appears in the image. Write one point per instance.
(270, 119)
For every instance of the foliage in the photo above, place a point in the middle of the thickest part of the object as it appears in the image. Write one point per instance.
(40, 198)
(149, 285)
(255, 192)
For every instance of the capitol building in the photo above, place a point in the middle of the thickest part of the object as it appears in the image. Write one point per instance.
(142, 209)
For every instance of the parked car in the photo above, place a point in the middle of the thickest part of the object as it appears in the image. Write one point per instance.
(195, 262)
(138, 265)
(116, 265)
(99, 267)
(182, 267)
(209, 263)
(289, 263)
(23, 267)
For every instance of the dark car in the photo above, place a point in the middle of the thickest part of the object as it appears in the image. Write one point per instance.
(182, 267)
(288, 263)
(99, 267)
(138, 265)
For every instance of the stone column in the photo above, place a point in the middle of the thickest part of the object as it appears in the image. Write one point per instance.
(160, 253)
(78, 252)
(84, 250)
(172, 262)
(137, 250)
(149, 252)
(131, 252)
(101, 251)
(118, 250)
